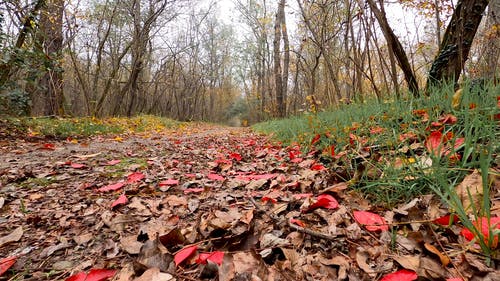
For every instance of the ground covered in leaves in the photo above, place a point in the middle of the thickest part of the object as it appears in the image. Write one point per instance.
(209, 203)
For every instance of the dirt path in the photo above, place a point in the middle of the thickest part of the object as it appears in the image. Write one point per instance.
(204, 189)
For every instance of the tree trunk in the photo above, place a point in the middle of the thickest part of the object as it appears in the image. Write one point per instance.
(280, 74)
(396, 47)
(492, 44)
(48, 100)
(457, 41)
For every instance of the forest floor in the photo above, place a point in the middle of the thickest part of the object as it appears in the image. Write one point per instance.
(206, 202)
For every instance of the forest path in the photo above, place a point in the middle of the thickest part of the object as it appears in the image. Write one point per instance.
(256, 207)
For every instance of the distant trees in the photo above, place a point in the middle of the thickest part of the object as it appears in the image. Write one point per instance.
(177, 58)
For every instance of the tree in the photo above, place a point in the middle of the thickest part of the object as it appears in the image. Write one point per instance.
(48, 99)
(456, 43)
(281, 73)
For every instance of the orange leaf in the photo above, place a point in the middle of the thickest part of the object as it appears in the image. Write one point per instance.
(298, 222)
(6, 263)
(315, 139)
(185, 253)
(371, 221)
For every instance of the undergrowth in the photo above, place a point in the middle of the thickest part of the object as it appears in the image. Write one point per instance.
(87, 126)
(387, 142)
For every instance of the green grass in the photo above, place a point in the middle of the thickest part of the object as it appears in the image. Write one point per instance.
(87, 126)
(401, 173)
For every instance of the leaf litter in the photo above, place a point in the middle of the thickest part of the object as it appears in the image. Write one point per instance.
(213, 203)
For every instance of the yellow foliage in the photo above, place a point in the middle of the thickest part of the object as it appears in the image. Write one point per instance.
(455, 102)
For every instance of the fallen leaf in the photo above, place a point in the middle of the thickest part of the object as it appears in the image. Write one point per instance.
(184, 253)
(315, 139)
(215, 177)
(298, 222)
(135, 177)
(113, 162)
(324, 201)
(485, 227)
(400, 275)
(443, 258)
(169, 182)
(154, 274)
(235, 156)
(215, 257)
(93, 275)
(14, 236)
(6, 263)
(318, 167)
(111, 187)
(122, 200)
(470, 192)
(77, 166)
(48, 146)
(434, 143)
(194, 190)
(446, 220)
(371, 221)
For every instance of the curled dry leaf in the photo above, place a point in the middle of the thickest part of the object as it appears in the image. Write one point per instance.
(445, 260)
(470, 191)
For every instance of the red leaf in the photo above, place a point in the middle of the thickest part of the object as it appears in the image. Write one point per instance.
(48, 146)
(135, 177)
(446, 220)
(298, 222)
(113, 162)
(235, 156)
(185, 253)
(407, 136)
(449, 119)
(454, 279)
(215, 257)
(77, 166)
(6, 263)
(93, 275)
(122, 200)
(315, 139)
(111, 187)
(376, 130)
(169, 182)
(193, 190)
(100, 274)
(318, 167)
(371, 221)
(215, 177)
(269, 199)
(400, 275)
(434, 143)
(483, 225)
(324, 201)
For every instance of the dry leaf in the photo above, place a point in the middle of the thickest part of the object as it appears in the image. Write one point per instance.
(445, 260)
(14, 236)
(470, 191)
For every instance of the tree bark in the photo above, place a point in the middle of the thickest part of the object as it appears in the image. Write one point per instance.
(280, 74)
(396, 47)
(457, 41)
(48, 100)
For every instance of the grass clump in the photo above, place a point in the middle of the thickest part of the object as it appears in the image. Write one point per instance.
(88, 126)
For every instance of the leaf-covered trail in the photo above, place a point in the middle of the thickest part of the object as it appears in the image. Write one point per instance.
(157, 206)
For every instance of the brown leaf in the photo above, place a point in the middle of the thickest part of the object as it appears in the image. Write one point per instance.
(14, 236)
(470, 191)
(154, 274)
(408, 262)
(130, 244)
(443, 258)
